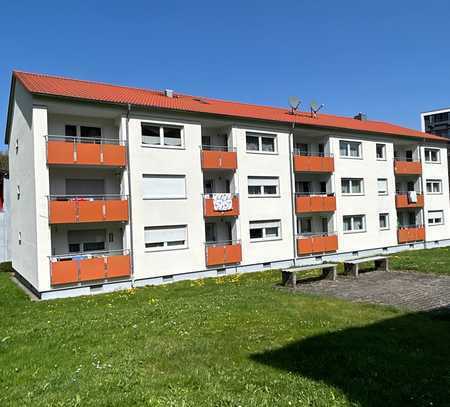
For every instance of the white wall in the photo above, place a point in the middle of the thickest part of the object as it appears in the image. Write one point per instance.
(22, 174)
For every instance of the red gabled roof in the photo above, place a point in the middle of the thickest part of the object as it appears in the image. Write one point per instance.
(102, 92)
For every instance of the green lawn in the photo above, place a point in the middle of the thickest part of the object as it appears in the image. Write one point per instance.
(219, 342)
(425, 261)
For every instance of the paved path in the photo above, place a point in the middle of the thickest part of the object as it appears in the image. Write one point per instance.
(413, 291)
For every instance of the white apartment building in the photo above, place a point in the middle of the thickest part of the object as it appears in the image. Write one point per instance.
(115, 187)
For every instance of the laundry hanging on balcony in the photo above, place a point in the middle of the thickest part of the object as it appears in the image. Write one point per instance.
(222, 202)
(412, 197)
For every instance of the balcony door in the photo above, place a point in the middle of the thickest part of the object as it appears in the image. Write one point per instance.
(77, 186)
(85, 241)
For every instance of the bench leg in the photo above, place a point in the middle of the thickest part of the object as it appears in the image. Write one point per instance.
(330, 273)
(354, 270)
(288, 278)
(382, 265)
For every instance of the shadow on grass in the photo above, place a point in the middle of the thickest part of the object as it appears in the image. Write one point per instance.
(402, 361)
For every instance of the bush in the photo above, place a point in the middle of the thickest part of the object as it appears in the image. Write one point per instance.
(6, 267)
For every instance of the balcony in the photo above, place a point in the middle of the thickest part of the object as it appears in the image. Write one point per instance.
(402, 201)
(223, 253)
(82, 267)
(407, 167)
(88, 208)
(218, 158)
(321, 163)
(306, 203)
(316, 243)
(85, 151)
(408, 234)
(213, 209)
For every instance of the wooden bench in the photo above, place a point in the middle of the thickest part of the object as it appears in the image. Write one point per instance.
(351, 266)
(289, 275)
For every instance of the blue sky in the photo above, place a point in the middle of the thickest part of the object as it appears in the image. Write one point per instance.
(389, 59)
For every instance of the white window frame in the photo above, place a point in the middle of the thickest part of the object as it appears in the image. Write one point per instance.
(260, 136)
(264, 225)
(383, 158)
(352, 222)
(164, 197)
(265, 181)
(350, 187)
(383, 193)
(386, 215)
(347, 148)
(433, 182)
(427, 154)
(161, 135)
(166, 243)
(432, 217)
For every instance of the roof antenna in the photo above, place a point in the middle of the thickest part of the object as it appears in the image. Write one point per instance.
(294, 103)
(315, 108)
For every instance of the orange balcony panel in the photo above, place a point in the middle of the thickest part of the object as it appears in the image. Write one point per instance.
(90, 211)
(92, 269)
(223, 254)
(219, 160)
(313, 164)
(63, 212)
(64, 272)
(318, 203)
(407, 167)
(82, 211)
(401, 201)
(74, 153)
(407, 235)
(60, 152)
(317, 244)
(116, 210)
(210, 212)
(88, 154)
(114, 155)
(118, 266)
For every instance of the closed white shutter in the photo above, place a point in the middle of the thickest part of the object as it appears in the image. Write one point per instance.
(265, 224)
(164, 186)
(266, 181)
(165, 234)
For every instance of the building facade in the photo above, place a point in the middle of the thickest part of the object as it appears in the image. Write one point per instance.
(436, 122)
(115, 187)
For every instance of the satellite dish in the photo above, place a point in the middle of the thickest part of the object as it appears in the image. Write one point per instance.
(314, 105)
(294, 103)
(315, 108)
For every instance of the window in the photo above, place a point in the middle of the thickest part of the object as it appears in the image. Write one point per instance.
(382, 186)
(18, 191)
(265, 230)
(351, 149)
(70, 130)
(90, 132)
(384, 221)
(432, 155)
(164, 186)
(435, 217)
(86, 240)
(261, 142)
(305, 225)
(17, 145)
(381, 151)
(352, 186)
(434, 186)
(354, 223)
(20, 238)
(263, 186)
(165, 237)
(159, 135)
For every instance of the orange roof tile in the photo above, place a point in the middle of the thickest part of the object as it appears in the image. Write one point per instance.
(102, 92)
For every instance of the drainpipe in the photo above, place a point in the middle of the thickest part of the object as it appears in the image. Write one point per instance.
(130, 212)
(292, 189)
(422, 188)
